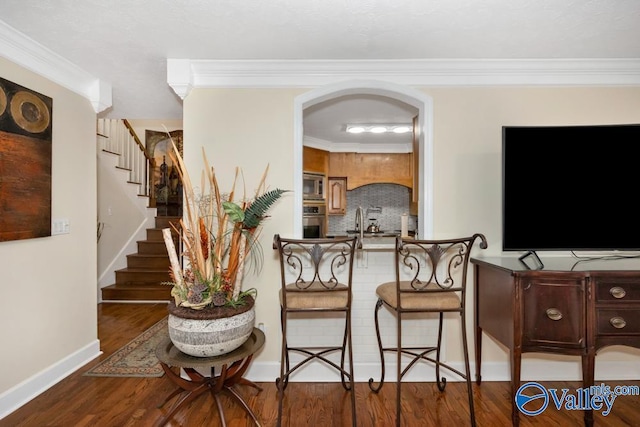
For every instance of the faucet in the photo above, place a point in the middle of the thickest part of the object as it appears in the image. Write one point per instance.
(360, 225)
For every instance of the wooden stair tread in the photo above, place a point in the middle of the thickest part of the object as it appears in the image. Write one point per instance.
(142, 270)
(146, 269)
(138, 254)
(136, 292)
(138, 286)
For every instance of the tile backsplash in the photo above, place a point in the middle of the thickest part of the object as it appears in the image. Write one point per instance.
(384, 202)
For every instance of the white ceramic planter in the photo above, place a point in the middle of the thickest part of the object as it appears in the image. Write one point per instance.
(211, 337)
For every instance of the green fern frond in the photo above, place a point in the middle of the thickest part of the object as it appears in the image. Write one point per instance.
(256, 212)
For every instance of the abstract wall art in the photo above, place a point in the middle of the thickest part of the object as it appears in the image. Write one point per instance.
(25, 162)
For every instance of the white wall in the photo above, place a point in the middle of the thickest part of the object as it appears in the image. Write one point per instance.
(48, 285)
(124, 217)
(253, 127)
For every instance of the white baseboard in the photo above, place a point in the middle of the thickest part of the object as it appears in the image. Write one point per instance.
(561, 371)
(27, 390)
(492, 371)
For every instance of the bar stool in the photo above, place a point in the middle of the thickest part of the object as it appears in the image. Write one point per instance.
(431, 277)
(316, 277)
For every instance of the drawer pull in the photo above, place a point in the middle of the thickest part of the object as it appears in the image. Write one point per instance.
(617, 292)
(554, 314)
(617, 322)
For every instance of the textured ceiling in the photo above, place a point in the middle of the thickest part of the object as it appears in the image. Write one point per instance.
(127, 42)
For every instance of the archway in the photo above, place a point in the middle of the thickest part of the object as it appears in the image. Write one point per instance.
(413, 97)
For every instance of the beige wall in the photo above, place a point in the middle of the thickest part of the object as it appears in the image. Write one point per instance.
(467, 156)
(467, 143)
(251, 128)
(48, 285)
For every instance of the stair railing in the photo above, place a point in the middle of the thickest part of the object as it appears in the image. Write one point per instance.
(117, 136)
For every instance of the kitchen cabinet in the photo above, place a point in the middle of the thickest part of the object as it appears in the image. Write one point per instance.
(337, 195)
(315, 160)
(372, 168)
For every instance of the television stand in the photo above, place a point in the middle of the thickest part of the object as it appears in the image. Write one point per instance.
(540, 265)
(564, 308)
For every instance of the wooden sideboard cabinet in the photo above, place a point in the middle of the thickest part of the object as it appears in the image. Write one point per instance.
(570, 306)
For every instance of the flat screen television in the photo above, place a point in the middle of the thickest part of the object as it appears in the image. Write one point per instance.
(571, 188)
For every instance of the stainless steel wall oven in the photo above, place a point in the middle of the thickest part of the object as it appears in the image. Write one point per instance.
(313, 221)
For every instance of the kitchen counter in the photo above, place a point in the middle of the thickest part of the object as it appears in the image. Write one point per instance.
(369, 234)
(380, 240)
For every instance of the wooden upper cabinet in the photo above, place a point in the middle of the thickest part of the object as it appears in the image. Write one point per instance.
(372, 168)
(337, 199)
(315, 160)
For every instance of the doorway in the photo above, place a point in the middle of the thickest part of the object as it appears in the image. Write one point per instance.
(410, 96)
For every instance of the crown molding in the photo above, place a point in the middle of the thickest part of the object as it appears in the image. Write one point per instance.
(180, 76)
(197, 73)
(20, 49)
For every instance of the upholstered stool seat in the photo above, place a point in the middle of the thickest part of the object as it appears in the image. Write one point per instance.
(316, 297)
(416, 300)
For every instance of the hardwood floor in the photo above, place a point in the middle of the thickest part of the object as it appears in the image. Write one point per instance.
(95, 401)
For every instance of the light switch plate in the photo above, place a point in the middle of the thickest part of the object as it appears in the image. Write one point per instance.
(60, 226)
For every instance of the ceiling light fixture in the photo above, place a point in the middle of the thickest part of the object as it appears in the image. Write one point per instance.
(356, 129)
(378, 128)
(402, 129)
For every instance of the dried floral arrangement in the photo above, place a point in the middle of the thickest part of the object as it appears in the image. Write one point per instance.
(219, 235)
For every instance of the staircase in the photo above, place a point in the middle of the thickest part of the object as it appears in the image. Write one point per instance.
(146, 269)
(147, 262)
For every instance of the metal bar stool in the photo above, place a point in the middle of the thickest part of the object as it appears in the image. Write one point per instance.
(431, 277)
(316, 278)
